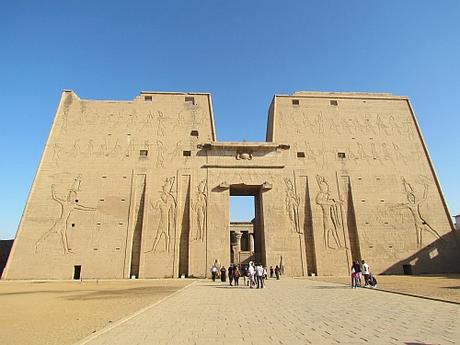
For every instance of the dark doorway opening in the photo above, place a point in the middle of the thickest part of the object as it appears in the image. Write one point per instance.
(77, 272)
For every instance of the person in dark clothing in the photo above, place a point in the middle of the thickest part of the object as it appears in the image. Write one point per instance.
(223, 274)
(277, 272)
(272, 272)
(236, 275)
(230, 274)
(356, 274)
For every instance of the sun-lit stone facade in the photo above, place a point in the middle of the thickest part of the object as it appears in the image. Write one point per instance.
(141, 188)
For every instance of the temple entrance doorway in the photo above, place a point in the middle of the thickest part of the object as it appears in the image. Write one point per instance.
(246, 225)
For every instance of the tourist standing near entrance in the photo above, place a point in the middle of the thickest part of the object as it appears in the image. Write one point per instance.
(236, 275)
(272, 272)
(260, 276)
(213, 272)
(251, 274)
(365, 273)
(355, 274)
(230, 274)
(277, 272)
(223, 274)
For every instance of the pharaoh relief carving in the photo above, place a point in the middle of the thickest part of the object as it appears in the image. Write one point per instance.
(292, 204)
(199, 206)
(67, 205)
(165, 213)
(414, 201)
(331, 210)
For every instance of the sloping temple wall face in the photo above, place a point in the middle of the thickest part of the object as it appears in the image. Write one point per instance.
(141, 188)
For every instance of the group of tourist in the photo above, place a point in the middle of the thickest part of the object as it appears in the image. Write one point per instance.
(253, 274)
(362, 268)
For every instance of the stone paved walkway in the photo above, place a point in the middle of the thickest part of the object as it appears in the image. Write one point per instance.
(289, 311)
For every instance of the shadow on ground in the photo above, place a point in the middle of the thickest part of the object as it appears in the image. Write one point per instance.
(440, 256)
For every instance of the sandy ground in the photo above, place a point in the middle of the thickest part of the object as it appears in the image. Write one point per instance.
(444, 287)
(60, 313)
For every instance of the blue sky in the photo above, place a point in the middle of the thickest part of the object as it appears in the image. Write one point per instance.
(242, 52)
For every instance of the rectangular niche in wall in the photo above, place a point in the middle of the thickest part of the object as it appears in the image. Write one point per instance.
(190, 100)
(77, 272)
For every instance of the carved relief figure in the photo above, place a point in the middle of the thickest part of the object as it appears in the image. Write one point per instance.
(335, 126)
(67, 206)
(196, 116)
(309, 153)
(165, 212)
(90, 148)
(200, 206)
(386, 153)
(57, 150)
(132, 119)
(357, 126)
(368, 127)
(292, 201)
(177, 151)
(374, 152)
(116, 149)
(130, 149)
(149, 120)
(362, 152)
(161, 124)
(398, 153)
(76, 148)
(381, 125)
(346, 126)
(393, 125)
(331, 214)
(160, 155)
(103, 148)
(413, 205)
(320, 122)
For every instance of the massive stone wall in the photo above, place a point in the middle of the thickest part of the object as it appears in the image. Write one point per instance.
(141, 188)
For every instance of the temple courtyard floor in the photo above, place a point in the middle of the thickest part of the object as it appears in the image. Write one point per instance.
(288, 311)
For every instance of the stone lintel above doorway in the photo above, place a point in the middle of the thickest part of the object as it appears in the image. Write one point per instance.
(242, 151)
(244, 146)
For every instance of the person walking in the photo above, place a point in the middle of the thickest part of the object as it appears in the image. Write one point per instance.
(277, 272)
(260, 276)
(272, 272)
